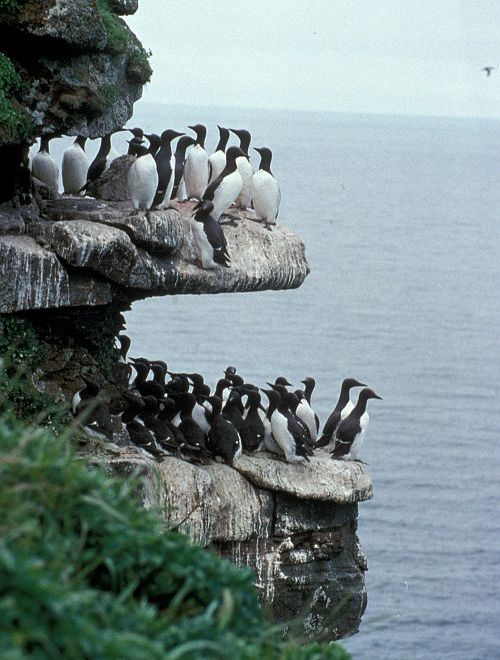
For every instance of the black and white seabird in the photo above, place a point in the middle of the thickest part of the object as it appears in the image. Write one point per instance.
(343, 407)
(154, 143)
(351, 430)
(74, 167)
(142, 178)
(43, 166)
(225, 188)
(136, 132)
(124, 341)
(102, 161)
(135, 147)
(217, 160)
(233, 409)
(286, 431)
(138, 433)
(93, 406)
(210, 238)
(165, 164)
(194, 435)
(223, 438)
(266, 193)
(179, 188)
(304, 410)
(244, 199)
(252, 430)
(196, 167)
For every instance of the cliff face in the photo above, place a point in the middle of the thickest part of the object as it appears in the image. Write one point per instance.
(295, 525)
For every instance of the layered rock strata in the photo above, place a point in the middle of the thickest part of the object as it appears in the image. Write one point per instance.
(88, 252)
(295, 525)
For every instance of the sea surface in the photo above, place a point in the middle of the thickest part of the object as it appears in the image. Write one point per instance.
(401, 221)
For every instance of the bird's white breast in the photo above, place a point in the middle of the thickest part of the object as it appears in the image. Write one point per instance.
(306, 414)
(206, 250)
(226, 193)
(196, 172)
(45, 169)
(266, 196)
(245, 169)
(217, 162)
(279, 427)
(142, 180)
(74, 169)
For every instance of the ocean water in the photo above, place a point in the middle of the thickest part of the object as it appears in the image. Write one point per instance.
(402, 230)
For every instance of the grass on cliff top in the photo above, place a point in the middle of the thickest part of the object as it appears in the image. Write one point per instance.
(85, 572)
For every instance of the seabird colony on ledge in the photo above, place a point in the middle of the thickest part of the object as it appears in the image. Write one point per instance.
(177, 414)
(162, 174)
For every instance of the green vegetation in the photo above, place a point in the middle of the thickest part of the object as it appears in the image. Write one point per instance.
(121, 40)
(9, 6)
(118, 36)
(102, 100)
(138, 66)
(21, 354)
(85, 572)
(15, 125)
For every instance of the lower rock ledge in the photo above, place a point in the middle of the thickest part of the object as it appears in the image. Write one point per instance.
(309, 566)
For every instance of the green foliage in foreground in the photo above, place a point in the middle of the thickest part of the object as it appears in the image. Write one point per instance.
(86, 573)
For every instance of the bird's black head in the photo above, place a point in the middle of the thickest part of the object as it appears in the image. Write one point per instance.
(202, 210)
(154, 142)
(273, 397)
(348, 383)
(216, 403)
(309, 380)
(136, 132)
(196, 379)
(244, 137)
(201, 133)
(368, 393)
(281, 380)
(233, 153)
(169, 135)
(223, 138)
(265, 158)
(230, 371)
(183, 143)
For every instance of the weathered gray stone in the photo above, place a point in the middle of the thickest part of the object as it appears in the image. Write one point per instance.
(158, 232)
(124, 7)
(305, 553)
(11, 223)
(320, 479)
(105, 250)
(89, 73)
(112, 185)
(294, 515)
(32, 277)
(76, 23)
(155, 253)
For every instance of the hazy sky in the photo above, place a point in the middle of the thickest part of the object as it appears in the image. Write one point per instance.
(395, 56)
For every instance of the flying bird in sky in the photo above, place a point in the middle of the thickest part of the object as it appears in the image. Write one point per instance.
(488, 70)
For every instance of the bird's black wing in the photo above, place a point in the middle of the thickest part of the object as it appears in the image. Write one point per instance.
(217, 240)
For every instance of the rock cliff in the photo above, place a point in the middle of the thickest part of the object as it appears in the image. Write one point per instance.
(295, 525)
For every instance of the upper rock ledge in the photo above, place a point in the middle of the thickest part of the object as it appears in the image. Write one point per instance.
(134, 256)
